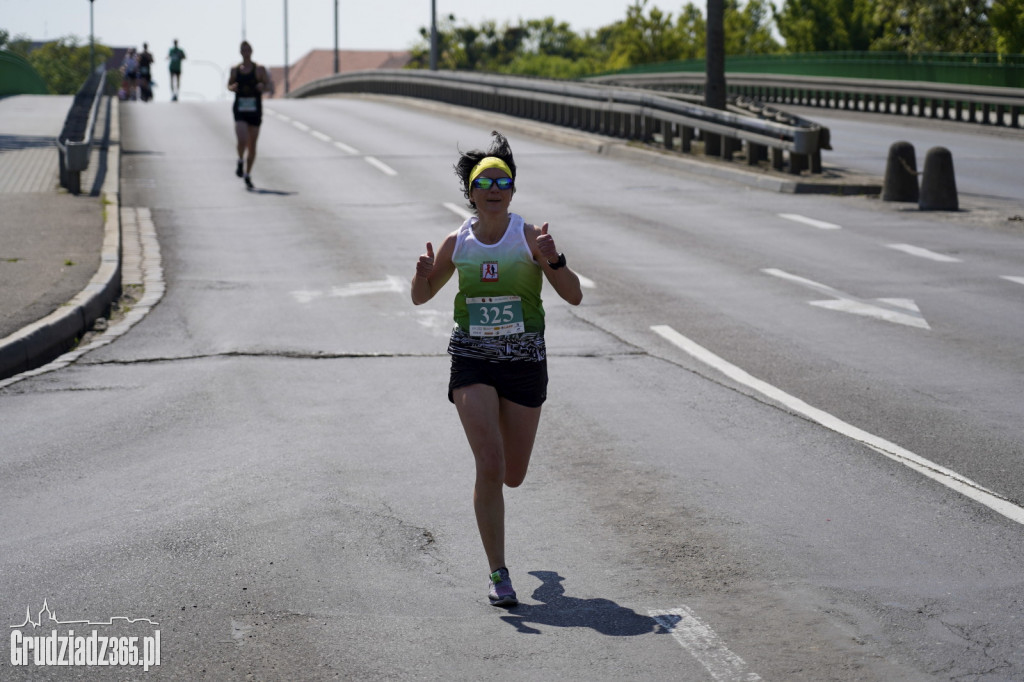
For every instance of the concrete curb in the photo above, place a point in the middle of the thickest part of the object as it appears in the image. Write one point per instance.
(46, 339)
(840, 184)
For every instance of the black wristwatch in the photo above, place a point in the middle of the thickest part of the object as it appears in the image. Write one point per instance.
(560, 263)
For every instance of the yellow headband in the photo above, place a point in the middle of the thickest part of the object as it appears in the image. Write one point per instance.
(488, 162)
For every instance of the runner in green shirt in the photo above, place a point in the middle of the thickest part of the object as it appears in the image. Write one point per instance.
(176, 55)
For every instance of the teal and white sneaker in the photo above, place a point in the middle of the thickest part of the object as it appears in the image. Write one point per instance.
(500, 590)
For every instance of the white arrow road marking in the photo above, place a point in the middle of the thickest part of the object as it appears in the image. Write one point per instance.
(704, 644)
(390, 285)
(924, 253)
(381, 166)
(896, 310)
(820, 224)
(936, 472)
(1018, 280)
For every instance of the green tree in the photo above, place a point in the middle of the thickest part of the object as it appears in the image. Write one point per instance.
(914, 26)
(827, 25)
(646, 38)
(19, 44)
(64, 64)
(692, 28)
(1007, 20)
(748, 30)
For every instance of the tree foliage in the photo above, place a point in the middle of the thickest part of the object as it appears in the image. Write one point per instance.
(64, 64)
(649, 34)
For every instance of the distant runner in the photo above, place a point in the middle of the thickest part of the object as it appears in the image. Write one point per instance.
(499, 371)
(176, 55)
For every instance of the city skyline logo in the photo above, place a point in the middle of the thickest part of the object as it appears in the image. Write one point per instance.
(52, 618)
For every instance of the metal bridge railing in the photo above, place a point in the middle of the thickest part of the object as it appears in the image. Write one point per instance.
(75, 141)
(997, 106)
(649, 117)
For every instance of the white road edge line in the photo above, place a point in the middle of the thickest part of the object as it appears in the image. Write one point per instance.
(936, 472)
(380, 165)
(458, 210)
(820, 224)
(1018, 280)
(345, 148)
(704, 644)
(924, 253)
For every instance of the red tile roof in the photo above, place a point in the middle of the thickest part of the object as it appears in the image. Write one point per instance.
(320, 63)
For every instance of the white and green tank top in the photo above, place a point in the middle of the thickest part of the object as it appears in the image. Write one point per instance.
(499, 284)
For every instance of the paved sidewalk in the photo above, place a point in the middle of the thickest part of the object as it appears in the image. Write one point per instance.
(55, 247)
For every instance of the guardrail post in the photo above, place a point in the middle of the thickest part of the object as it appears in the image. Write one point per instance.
(668, 134)
(686, 139)
(712, 143)
(797, 163)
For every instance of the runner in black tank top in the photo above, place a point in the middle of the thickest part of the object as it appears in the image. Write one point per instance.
(248, 81)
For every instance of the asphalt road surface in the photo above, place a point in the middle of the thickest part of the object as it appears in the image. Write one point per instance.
(783, 439)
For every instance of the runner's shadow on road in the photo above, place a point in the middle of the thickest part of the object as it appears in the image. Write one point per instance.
(278, 192)
(558, 610)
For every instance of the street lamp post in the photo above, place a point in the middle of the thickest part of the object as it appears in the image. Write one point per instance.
(335, 36)
(92, 42)
(433, 35)
(286, 47)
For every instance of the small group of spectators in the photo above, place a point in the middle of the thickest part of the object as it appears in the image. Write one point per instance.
(137, 73)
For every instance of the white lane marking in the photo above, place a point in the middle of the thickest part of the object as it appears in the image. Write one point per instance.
(320, 136)
(301, 126)
(586, 282)
(936, 472)
(1018, 280)
(896, 310)
(820, 224)
(345, 148)
(704, 644)
(924, 253)
(380, 165)
(388, 285)
(458, 210)
(281, 116)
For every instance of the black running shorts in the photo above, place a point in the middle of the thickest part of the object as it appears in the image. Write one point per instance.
(524, 382)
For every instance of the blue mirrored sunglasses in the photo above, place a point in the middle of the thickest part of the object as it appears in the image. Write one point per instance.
(486, 183)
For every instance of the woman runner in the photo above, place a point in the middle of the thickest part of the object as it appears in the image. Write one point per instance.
(498, 361)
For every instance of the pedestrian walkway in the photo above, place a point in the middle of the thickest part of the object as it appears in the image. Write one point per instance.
(51, 242)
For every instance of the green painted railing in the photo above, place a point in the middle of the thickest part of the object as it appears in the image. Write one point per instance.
(17, 77)
(965, 69)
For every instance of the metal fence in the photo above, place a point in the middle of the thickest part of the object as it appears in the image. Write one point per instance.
(672, 122)
(75, 141)
(995, 106)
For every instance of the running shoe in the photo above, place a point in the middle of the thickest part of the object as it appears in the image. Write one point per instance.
(500, 590)
(248, 182)
(238, 169)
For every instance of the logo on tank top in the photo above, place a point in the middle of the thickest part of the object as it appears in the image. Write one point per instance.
(489, 271)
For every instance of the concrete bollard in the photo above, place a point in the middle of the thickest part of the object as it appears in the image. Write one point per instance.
(900, 174)
(938, 184)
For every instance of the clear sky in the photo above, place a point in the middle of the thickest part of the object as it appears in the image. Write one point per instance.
(210, 30)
